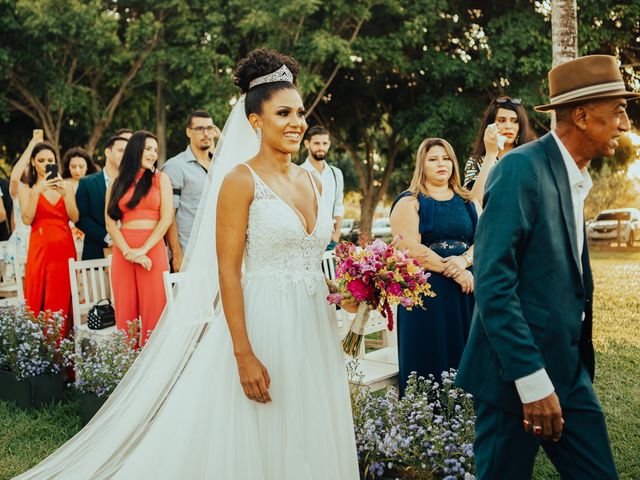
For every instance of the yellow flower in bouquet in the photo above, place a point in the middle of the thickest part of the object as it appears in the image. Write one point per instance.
(377, 276)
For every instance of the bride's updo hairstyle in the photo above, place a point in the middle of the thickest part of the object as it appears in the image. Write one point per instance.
(260, 62)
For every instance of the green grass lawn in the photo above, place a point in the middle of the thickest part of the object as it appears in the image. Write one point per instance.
(616, 327)
(26, 438)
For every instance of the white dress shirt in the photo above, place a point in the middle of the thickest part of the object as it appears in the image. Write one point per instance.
(538, 385)
(332, 186)
(107, 237)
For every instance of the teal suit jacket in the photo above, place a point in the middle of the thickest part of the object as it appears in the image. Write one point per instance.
(90, 197)
(531, 285)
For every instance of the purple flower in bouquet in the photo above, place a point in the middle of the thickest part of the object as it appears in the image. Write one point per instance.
(378, 246)
(406, 302)
(335, 298)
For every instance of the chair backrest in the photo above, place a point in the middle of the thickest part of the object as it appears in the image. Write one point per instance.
(169, 280)
(8, 287)
(90, 283)
(19, 271)
(329, 265)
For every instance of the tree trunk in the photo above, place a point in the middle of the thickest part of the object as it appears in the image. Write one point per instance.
(161, 115)
(564, 34)
(368, 205)
(564, 31)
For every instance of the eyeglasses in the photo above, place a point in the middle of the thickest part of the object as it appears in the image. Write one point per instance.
(515, 101)
(201, 130)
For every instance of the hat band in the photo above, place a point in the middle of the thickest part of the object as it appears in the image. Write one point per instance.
(588, 91)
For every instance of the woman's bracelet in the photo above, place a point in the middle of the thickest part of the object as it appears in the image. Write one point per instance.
(467, 256)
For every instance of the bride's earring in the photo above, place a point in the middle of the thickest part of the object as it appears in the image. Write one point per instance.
(259, 134)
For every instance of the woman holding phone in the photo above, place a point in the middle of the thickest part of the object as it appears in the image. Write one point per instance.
(47, 204)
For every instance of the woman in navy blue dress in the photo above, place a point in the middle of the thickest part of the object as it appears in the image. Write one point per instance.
(436, 218)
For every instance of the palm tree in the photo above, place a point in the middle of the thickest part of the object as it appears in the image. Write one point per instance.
(564, 34)
(564, 30)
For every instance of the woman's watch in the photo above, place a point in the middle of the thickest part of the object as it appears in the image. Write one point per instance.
(467, 256)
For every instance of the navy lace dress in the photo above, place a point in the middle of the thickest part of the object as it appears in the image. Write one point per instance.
(431, 339)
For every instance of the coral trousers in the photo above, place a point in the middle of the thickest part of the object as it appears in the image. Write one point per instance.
(136, 291)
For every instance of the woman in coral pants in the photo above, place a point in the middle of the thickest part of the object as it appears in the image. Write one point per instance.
(141, 199)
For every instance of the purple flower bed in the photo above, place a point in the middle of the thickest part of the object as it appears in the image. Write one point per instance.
(427, 434)
(101, 363)
(32, 345)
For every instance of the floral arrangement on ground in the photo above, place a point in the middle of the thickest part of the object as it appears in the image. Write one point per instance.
(425, 435)
(32, 345)
(101, 363)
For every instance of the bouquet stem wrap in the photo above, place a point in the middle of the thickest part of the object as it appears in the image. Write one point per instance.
(352, 342)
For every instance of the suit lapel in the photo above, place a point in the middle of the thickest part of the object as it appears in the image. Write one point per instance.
(100, 184)
(102, 189)
(561, 177)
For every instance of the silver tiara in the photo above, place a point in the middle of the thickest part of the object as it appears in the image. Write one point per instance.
(283, 74)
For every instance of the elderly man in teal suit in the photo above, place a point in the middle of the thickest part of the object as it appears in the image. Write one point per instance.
(529, 360)
(90, 198)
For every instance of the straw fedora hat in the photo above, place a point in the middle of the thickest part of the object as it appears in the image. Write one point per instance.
(583, 79)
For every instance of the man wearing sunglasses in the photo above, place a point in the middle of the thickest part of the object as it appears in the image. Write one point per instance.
(188, 172)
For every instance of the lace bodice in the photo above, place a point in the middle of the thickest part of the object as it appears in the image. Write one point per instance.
(277, 244)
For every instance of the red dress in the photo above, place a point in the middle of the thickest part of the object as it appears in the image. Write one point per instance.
(47, 285)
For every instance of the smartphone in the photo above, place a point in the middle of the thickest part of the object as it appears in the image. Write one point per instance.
(38, 134)
(52, 171)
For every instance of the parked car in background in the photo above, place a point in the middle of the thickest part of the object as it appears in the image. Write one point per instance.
(605, 226)
(381, 228)
(347, 226)
(354, 232)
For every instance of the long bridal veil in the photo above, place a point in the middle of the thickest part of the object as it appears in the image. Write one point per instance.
(99, 449)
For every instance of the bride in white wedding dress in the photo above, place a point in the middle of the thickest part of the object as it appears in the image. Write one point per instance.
(244, 378)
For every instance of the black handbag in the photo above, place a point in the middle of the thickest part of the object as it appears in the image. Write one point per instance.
(101, 315)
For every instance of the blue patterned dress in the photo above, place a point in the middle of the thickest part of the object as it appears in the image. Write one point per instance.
(431, 339)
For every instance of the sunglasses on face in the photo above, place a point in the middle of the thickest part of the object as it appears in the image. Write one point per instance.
(515, 101)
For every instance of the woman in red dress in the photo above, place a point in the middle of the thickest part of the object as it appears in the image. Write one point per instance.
(47, 204)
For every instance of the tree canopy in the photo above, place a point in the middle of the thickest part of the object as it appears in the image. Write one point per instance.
(381, 74)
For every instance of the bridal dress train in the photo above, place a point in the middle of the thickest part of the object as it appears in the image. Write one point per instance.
(184, 414)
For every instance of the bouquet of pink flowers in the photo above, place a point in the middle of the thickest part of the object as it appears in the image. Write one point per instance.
(377, 277)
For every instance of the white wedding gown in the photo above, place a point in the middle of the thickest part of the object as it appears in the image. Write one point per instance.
(181, 412)
(306, 432)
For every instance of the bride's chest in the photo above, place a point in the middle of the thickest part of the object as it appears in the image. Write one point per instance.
(272, 222)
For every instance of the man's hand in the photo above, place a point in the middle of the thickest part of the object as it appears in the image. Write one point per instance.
(544, 417)
(176, 260)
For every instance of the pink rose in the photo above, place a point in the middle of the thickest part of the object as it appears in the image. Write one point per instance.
(360, 290)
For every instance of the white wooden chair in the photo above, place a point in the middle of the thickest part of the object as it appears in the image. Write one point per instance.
(329, 265)
(90, 283)
(169, 280)
(14, 288)
(375, 375)
(8, 283)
